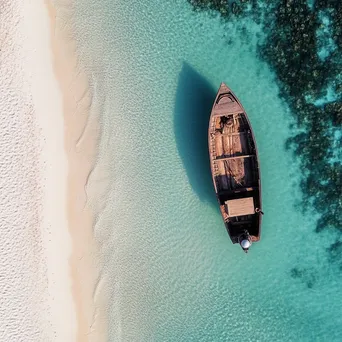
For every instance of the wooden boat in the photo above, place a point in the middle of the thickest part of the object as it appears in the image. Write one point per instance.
(235, 168)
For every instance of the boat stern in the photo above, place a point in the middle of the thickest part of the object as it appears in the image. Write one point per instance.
(245, 242)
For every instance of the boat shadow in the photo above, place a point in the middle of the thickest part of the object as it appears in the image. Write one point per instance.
(194, 100)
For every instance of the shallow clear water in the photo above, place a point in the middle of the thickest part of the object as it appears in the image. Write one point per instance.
(174, 274)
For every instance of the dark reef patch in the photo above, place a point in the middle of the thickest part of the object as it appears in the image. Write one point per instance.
(335, 252)
(291, 48)
(306, 275)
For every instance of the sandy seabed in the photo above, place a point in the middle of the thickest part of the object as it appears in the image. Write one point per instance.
(50, 284)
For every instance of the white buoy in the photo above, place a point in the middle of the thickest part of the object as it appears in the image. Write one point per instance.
(245, 244)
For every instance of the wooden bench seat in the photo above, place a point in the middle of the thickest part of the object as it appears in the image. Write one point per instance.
(240, 207)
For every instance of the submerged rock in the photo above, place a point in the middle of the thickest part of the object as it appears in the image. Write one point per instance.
(335, 110)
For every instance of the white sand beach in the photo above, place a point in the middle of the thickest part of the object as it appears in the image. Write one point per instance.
(49, 282)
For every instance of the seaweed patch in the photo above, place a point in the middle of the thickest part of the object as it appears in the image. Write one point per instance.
(308, 276)
(335, 252)
(303, 45)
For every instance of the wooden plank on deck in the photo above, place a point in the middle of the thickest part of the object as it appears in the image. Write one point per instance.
(240, 207)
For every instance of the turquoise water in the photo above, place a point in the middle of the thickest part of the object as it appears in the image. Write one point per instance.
(173, 273)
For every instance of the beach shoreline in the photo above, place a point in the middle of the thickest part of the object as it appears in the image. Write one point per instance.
(81, 134)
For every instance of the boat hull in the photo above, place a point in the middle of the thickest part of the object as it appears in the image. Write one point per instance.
(235, 168)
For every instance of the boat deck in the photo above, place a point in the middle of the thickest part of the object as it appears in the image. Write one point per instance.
(234, 153)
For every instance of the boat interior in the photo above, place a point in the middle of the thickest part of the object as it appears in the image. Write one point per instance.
(235, 172)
